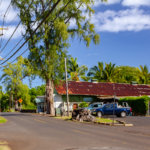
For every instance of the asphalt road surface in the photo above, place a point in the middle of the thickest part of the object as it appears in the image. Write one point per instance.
(34, 132)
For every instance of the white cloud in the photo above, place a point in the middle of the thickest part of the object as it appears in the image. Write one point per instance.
(109, 2)
(136, 3)
(123, 20)
(11, 15)
(99, 2)
(10, 29)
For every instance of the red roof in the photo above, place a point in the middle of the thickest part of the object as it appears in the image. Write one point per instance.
(103, 89)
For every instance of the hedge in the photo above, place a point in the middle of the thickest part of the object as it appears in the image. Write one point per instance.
(139, 105)
(83, 104)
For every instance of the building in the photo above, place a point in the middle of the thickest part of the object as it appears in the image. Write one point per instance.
(89, 91)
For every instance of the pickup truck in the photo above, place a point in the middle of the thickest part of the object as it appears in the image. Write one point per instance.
(94, 106)
(112, 109)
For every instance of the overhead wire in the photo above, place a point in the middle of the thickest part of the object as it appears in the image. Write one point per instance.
(12, 36)
(24, 35)
(4, 20)
(50, 11)
(53, 21)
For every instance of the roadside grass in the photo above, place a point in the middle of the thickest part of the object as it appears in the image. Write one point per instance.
(98, 120)
(3, 120)
(104, 120)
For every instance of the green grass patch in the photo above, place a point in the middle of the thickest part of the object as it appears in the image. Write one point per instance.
(3, 120)
(104, 120)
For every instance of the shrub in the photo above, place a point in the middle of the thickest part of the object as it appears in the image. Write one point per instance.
(139, 105)
(83, 104)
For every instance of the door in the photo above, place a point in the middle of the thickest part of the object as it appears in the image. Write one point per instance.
(108, 109)
(75, 106)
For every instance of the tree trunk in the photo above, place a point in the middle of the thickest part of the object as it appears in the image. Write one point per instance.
(49, 97)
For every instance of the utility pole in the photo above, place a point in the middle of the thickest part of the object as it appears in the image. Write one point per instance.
(114, 103)
(2, 31)
(67, 87)
(1, 59)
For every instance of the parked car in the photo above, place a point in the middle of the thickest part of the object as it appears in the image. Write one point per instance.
(112, 108)
(94, 105)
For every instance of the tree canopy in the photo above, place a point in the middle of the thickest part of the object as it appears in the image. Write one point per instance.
(48, 45)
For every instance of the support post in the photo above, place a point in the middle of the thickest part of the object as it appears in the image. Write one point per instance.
(67, 87)
(114, 104)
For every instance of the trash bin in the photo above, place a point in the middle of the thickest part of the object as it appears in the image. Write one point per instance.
(58, 112)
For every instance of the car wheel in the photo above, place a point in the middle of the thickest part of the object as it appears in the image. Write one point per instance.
(99, 114)
(123, 114)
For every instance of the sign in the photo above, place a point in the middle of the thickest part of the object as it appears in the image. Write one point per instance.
(20, 100)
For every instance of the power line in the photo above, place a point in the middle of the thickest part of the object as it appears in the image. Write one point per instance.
(13, 34)
(54, 6)
(10, 37)
(52, 21)
(25, 33)
(4, 19)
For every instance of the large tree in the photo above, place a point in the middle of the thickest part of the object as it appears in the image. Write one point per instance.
(12, 78)
(48, 45)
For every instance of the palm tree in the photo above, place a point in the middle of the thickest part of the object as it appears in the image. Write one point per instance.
(109, 72)
(75, 71)
(97, 72)
(103, 73)
(144, 75)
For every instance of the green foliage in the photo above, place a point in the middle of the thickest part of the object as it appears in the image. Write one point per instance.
(37, 91)
(83, 104)
(31, 106)
(4, 101)
(139, 105)
(75, 71)
(126, 74)
(77, 98)
(48, 45)
(144, 75)
(119, 74)
(23, 93)
(102, 73)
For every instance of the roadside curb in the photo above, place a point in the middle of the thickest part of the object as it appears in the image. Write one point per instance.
(120, 123)
(125, 124)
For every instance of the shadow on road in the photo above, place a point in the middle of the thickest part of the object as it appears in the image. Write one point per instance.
(14, 114)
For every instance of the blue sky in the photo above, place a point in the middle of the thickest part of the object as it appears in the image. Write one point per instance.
(123, 26)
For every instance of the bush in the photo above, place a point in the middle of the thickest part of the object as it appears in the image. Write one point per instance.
(139, 105)
(83, 104)
(29, 106)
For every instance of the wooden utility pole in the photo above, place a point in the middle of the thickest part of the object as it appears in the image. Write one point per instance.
(2, 31)
(67, 87)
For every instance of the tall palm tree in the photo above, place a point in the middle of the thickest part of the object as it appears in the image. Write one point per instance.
(75, 71)
(144, 75)
(97, 72)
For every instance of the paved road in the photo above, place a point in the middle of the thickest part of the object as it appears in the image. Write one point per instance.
(33, 132)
